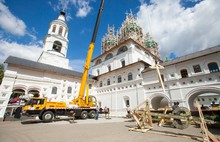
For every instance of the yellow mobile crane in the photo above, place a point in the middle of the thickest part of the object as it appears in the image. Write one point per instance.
(83, 106)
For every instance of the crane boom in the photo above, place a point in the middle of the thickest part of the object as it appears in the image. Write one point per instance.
(89, 57)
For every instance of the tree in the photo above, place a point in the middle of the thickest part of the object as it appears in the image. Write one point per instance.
(1, 73)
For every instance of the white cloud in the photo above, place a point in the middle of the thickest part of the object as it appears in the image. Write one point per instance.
(83, 7)
(181, 30)
(193, 0)
(68, 17)
(31, 52)
(64, 4)
(77, 65)
(10, 23)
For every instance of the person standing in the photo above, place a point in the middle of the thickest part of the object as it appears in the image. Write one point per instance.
(106, 111)
(128, 112)
(18, 112)
(97, 113)
(174, 106)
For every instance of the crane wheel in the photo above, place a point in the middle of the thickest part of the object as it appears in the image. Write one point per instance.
(84, 114)
(40, 117)
(92, 114)
(47, 116)
(182, 123)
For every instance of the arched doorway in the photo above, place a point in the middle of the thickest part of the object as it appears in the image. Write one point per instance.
(159, 101)
(15, 101)
(15, 96)
(35, 93)
(204, 96)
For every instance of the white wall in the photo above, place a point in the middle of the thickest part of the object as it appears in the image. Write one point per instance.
(181, 89)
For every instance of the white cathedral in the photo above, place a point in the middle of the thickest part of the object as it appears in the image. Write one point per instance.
(122, 75)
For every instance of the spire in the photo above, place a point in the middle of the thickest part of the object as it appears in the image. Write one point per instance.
(62, 16)
(126, 13)
(62, 13)
(56, 43)
(131, 11)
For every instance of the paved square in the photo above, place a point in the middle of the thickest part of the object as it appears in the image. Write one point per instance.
(102, 130)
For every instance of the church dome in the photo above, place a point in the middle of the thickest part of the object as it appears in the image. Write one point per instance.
(149, 42)
(130, 29)
(109, 40)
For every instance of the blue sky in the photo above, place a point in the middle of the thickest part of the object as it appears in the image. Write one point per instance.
(179, 26)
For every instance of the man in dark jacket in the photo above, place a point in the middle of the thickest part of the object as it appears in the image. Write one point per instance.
(18, 112)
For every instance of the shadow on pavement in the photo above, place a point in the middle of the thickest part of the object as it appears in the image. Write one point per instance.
(34, 121)
(31, 121)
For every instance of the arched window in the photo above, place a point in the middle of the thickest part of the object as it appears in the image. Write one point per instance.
(197, 68)
(100, 85)
(130, 76)
(54, 28)
(98, 62)
(54, 90)
(122, 49)
(213, 67)
(57, 46)
(123, 63)
(108, 82)
(184, 73)
(119, 79)
(109, 68)
(109, 56)
(60, 30)
(65, 33)
(126, 101)
(69, 90)
(98, 72)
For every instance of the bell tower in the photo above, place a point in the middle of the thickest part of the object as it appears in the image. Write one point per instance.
(55, 44)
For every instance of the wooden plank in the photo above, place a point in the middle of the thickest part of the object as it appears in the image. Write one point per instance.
(212, 137)
(138, 130)
(203, 124)
(137, 120)
(161, 121)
